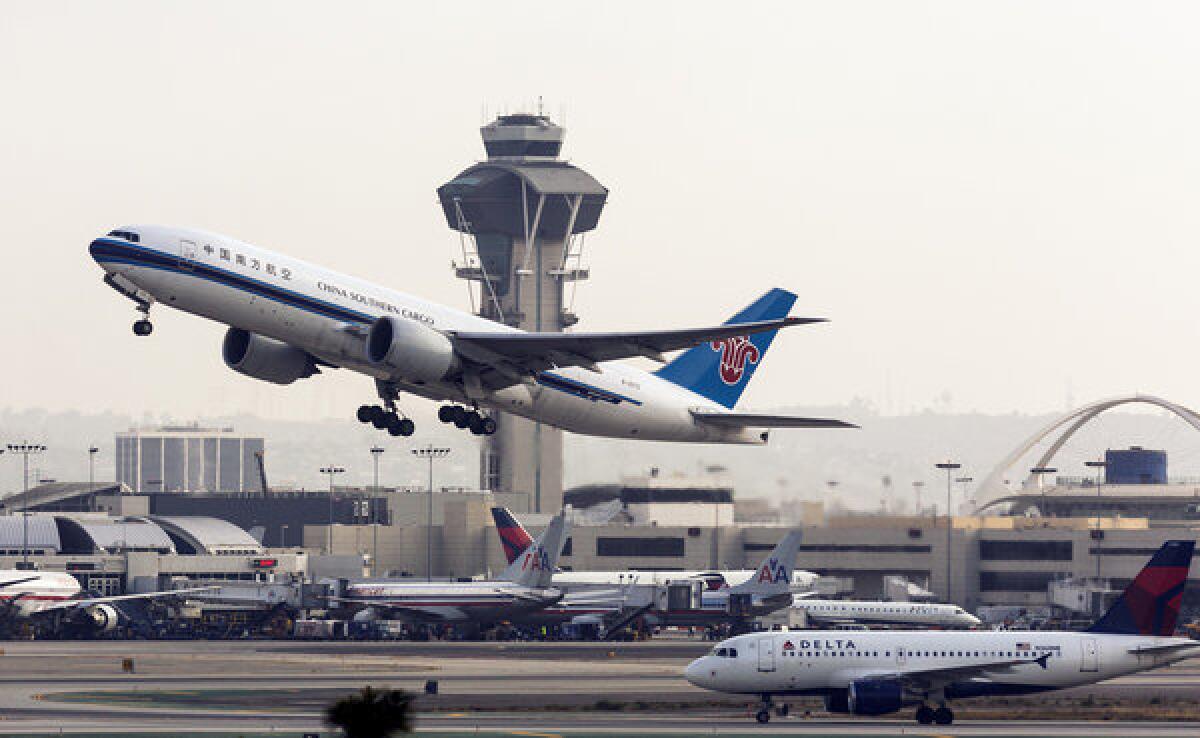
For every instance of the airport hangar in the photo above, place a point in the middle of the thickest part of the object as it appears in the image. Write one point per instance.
(666, 523)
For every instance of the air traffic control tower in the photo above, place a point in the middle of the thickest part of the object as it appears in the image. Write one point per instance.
(521, 216)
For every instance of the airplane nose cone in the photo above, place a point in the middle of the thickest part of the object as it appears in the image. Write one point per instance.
(698, 673)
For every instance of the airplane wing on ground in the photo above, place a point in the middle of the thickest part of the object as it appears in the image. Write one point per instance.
(521, 353)
(89, 601)
(415, 614)
(764, 420)
(1165, 647)
(932, 678)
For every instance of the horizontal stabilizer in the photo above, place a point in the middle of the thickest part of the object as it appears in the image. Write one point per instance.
(765, 420)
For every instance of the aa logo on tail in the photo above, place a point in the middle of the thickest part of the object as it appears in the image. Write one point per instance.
(773, 572)
(536, 559)
(735, 353)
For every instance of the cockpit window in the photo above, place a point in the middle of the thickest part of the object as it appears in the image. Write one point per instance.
(127, 235)
(733, 653)
(722, 652)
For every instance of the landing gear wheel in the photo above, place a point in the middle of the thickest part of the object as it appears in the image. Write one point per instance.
(143, 328)
(489, 426)
(407, 427)
(782, 710)
(365, 413)
(382, 419)
(925, 715)
(462, 418)
(475, 423)
(763, 716)
(446, 413)
(393, 426)
(943, 716)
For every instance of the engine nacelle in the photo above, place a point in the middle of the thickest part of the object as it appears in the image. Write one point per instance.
(838, 702)
(875, 696)
(104, 618)
(265, 358)
(410, 350)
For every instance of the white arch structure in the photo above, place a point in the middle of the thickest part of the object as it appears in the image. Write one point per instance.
(992, 488)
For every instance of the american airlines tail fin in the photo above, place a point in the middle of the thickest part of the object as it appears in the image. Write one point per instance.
(535, 566)
(774, 574)
(1149, 606)
(720, 370)
(513, 535)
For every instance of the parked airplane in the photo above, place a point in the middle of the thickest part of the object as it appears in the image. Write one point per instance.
(925, 614)
(516, 539)
(288, 319)
(765, 590)
(524, 586)
(55, 599)
(880, 672)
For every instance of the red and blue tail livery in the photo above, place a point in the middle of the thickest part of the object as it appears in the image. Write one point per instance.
(1149, 606)
(513, 536)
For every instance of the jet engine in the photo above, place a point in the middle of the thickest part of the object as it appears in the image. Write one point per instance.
(411, 350)
(837, 702)
(104, 618)
(265, 358)
(875, 696)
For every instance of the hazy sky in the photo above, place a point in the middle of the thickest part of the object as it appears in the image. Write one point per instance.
(995, 203)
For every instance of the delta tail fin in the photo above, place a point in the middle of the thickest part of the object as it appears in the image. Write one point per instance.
(535, 566)
(774, 574)
(720, 370)
(513, 535)
(1149, 606)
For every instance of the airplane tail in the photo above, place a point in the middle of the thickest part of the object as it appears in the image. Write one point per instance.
(720, 370)
(513, 535)
(535, 566)
(774, 574)
(1149, 606)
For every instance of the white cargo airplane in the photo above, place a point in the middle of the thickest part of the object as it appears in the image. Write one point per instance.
(288, 319)
(880, 672)
(56, 598)
(523, 587)
(868, 612)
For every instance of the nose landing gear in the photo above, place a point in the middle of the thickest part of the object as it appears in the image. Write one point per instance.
(143, 327)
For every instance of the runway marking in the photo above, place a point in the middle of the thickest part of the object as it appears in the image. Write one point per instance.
(537, 735)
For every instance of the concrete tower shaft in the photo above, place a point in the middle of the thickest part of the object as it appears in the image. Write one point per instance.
(521, 215)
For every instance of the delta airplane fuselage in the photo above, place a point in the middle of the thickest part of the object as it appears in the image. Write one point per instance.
(327, 315)
(828, 662)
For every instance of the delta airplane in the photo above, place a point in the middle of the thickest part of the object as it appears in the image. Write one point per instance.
(523, 587)
(765, 589)
(880, 672)
(288, 320)
(56, 599)
(866, 612)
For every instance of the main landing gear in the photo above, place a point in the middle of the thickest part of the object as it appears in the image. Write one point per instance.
(927, 715)
(764, 711)
(480, 425)
(386, 417)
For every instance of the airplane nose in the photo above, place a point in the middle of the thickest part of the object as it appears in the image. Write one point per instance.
(697, 673)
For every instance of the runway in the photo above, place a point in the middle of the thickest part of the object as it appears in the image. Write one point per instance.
(576, 689)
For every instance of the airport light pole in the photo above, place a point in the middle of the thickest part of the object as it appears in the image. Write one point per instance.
(376, 452)
(331, 471)
(26, 450)
(1098, 535)
(430, 452)
(949, 467)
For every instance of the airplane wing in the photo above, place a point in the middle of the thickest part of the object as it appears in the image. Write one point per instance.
(1165, 647)
(764, 420)
(522, 353)
(89, 601)
(408, 613)
(934, 677)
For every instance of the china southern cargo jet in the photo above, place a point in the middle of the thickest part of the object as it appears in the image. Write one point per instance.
(288, 319)
(880, 672)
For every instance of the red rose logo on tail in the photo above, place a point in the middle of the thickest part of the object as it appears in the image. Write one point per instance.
(735, 352)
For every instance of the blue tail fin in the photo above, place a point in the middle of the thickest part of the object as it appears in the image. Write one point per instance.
(720, 370)
(1149, 606)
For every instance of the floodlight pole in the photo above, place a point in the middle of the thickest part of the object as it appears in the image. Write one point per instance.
(331, 471)
(430, 452)
(949, 466)
(376, 452)
(26, 449)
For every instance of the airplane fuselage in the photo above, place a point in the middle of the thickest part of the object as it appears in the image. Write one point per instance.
(481, 602)
(326, 314)
(886, 613)
(43, 589)
(827, 662)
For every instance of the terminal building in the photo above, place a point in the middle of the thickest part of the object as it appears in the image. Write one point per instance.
(188, 459)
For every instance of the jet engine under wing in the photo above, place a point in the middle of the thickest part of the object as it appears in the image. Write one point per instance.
(533, 352)
(763, 420)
